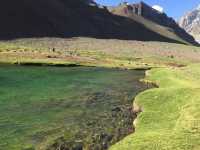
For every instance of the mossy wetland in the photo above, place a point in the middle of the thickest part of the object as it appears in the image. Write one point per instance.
(66, 107)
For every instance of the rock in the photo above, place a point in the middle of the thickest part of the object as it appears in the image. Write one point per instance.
(191, 23)
(116, 109)
(78, 146)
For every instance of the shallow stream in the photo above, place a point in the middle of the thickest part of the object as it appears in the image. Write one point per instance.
(71, 108)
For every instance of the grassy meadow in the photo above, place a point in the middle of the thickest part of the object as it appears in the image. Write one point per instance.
(170, 118)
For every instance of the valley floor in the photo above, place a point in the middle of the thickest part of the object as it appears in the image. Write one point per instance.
(170, 118)
(97, 52)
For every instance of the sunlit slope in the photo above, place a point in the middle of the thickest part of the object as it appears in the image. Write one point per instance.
(175, 33)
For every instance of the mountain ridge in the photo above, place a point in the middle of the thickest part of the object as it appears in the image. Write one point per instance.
(142, 11)
(73, 18)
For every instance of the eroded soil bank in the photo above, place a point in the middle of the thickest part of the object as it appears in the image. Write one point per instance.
(66, 108)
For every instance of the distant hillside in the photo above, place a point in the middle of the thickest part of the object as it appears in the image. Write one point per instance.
(191, 23)
(154, 20)
(71, 18)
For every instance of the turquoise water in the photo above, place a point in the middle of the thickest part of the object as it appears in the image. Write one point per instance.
(47, 107)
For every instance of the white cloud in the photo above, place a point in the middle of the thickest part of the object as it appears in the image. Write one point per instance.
(158, 8)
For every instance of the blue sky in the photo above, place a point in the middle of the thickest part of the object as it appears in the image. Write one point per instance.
(173, 8)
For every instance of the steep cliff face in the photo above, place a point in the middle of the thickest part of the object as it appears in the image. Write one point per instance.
(191, 23)
(157, 21)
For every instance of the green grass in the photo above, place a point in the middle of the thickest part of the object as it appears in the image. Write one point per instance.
(171, 118)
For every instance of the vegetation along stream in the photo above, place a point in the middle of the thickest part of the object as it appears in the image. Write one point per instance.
(66, 108)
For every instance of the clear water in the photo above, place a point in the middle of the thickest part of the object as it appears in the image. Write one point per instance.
(46, 107)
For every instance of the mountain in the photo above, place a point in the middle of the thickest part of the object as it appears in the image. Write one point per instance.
(153, 19)
(75, 18)
(191, 23)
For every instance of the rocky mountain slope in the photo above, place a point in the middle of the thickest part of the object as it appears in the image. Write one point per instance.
(75, 18)
(191, 23)
(151, 18)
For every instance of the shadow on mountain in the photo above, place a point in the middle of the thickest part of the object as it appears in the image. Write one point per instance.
(68, 18)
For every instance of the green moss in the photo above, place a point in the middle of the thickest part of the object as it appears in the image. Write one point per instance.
(170, 119)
